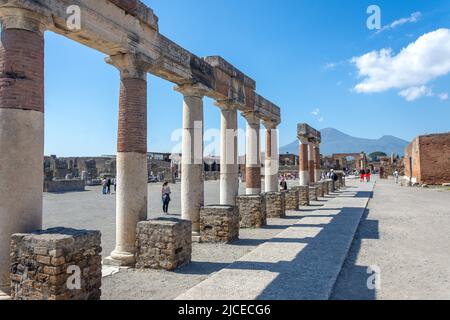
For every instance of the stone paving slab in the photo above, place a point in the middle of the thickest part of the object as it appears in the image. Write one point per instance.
(300, 263)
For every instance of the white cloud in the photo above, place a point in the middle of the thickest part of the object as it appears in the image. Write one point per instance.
(316, 112)
(416, 65)
(414, 93)
(414, 17)
(443, 96)
(330, 66)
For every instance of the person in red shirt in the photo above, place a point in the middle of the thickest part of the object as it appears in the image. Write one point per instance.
(368, 175)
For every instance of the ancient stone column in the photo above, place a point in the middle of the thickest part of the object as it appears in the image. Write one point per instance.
(253, 154)
(229, 166)
(21, 128)
(192, 181)
(132, 175)
(272, 161)
(311, 162)
(317, 168)
(304, 162)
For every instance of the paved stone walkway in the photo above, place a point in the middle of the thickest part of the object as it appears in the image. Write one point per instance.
(300, 263)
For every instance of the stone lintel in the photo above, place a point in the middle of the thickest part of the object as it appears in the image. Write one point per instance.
(305, 131)
(269, 111)
(139, 10)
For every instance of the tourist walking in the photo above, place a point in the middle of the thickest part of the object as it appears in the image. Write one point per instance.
(396, 176)
(334, 178)
(283, 184)
(108, 186)
(165, 195)
(104, 186)
(362, 175)
(368, 175)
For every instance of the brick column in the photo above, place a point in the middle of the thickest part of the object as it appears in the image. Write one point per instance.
(272, 159)
(132, 175)
(21, 128)
(304, 162)
(317, 168)
(253, 154)
(192, 181)
(229, 166)
(311, 162)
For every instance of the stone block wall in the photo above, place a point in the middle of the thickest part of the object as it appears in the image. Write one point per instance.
(163, 243)
(252, 211)
(303, 195)
(56, 264)
(313, 193)
(64, 186)
(291, 199)
(275, 204)
(219, 224)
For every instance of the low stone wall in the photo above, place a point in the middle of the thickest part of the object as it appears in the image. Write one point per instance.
(321, 186)
(275, 204)
(56, 264)
(163, 243)
(252, 211)
(64, 186)
(219, 224)
(330, 186)
(313, 193)
(291, 199)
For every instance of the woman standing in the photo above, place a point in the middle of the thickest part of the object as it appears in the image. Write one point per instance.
(368, 175)
(165, 194)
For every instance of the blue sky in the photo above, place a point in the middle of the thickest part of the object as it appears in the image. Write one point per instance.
(309, 57)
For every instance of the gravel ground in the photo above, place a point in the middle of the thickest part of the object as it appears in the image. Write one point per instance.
(405, 233)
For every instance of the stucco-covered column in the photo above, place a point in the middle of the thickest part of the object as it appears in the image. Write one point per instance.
(132, 175)
(304, 162)
(229, 166)
(271, 166)
(311, 162)
(21, 128)
(253, 154)
(192, 180)
(317, 168)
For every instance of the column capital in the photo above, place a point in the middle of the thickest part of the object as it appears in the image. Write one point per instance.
(193, 90)
(269, 124)
(252, 117)
(227, 104)
(130, 65)
(24, 19)
(304, 140)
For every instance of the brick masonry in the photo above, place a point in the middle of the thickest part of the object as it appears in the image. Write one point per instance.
(132, 131)
(291, 199)
(22, 70)
(163, 243)
(275, 204)
(219, 224)
(253, 177)
(44, 264)
(252, 211)
(430, 158)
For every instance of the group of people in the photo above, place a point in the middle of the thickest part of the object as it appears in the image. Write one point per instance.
(364, 175)
(106, 185)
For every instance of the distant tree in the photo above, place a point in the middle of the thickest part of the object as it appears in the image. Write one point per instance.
(375, 156)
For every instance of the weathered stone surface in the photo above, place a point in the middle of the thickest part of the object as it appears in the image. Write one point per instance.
(330, 186)
(163, 243)
(303, 195)
(313, 193)
(275, 204)
(291, 199)
(64, 186)
(219, 224)
(45, 264)
(252, 211)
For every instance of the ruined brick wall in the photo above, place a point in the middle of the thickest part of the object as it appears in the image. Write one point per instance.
(412, 152)
(434, 152)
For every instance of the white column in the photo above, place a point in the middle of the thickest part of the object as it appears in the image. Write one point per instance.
(253, 154)
(192, 181)
(229, 166)
(304, 162)
(21, 129)
(132, 175)
(272, 158)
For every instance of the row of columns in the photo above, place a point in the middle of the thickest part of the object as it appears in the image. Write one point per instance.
(22, 142)
(309, 166)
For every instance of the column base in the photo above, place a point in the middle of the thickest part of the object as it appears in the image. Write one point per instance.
(252, 191)
(4, 293)
(120, 259)
(196, 237)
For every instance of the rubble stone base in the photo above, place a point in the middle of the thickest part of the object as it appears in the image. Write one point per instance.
(275, 204)
(163, 243)
(303, 195)
(252, 211)
(291, 199)
(56, 264)
(313, 193)
(219, 224)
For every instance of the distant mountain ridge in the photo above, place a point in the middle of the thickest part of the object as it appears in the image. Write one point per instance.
(335, 141)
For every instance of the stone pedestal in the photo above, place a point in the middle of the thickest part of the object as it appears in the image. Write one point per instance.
(325, 187)
(275, 204)
(163, 243)
(313, 193)
(330, 186)
(291, 199)
(56, 264)
(303, 195)
(252, 211)
(321, 186)
(219, 224)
